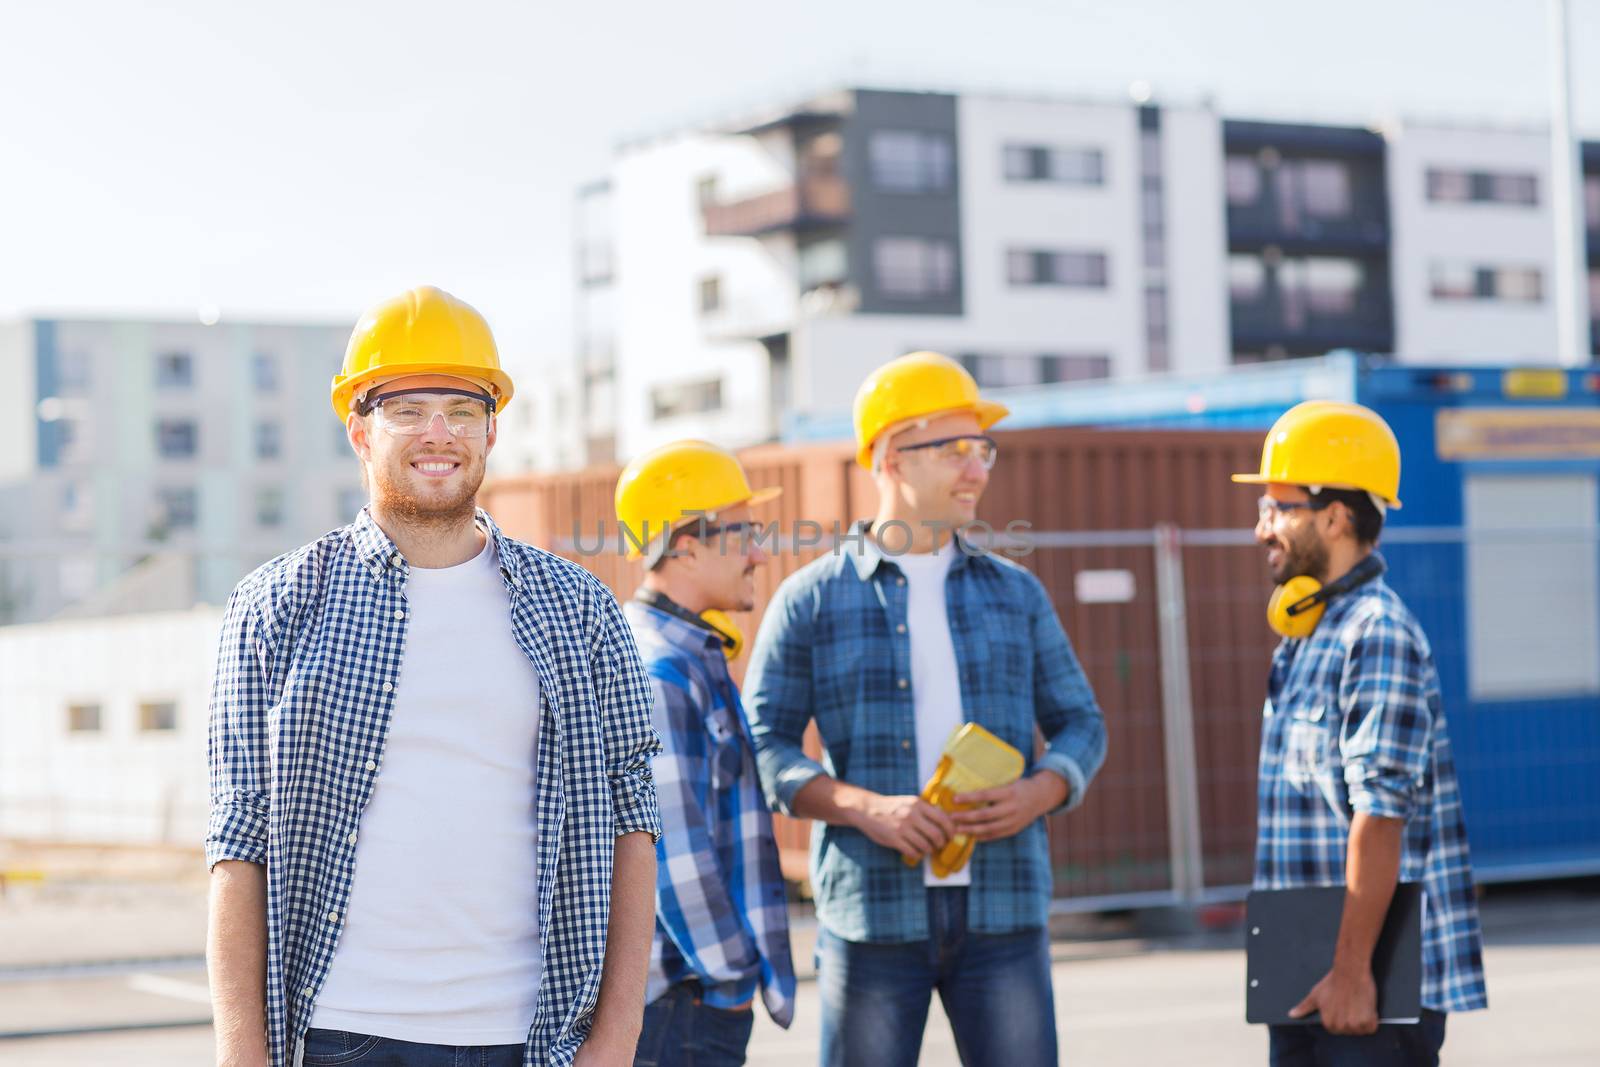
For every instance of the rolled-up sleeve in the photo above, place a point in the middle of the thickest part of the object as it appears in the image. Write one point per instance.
(1074, 728)
(236, 738)
(778, 698)
(1386, 729)
(626, 701)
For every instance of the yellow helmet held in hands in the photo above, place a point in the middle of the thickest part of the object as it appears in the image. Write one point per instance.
(421, 331)
(912, 387)
(1333, 445)
(663, 487)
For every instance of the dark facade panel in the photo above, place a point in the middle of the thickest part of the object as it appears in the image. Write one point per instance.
(904, 241)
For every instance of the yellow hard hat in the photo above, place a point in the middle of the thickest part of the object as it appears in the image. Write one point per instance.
(421, 331)
(1330, 444)
(911, 387)
(658, 488)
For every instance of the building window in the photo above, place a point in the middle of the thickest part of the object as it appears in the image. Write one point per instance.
(1243, 180)
(914, 268)
(1075, 269)
(174, 370)
(824, 262)
(264, 370)
(269, 506)
(1459, 281)
(1591, 200)
(911, 161)
(1324, 187)
(83, 718)
(177, 438)
(158, 716)
(1482, 187)
(269, 440)
(178, 507)
(710, 295)
(1247, 278)
(686, 398)
(1013, 371)
(1045, 163)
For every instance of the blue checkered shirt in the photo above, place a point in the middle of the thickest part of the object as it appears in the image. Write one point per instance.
(1354, 723)
(835, 648)
(721, 912)
(311, 644)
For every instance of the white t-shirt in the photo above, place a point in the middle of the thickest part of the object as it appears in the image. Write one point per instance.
(935, 678)
(440, 940)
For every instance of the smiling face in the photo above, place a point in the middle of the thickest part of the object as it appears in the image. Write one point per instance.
(431, 478)
(722, 567)
(929, 486)
(1294, 544)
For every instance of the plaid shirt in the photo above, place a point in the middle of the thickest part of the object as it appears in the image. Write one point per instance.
(834, 647)
(311, 644)
(721, 912)
(1354, 723)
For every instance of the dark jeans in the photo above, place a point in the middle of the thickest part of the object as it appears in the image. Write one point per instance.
(1394, 1045)
(680, 1031)
(334, 1048)
(995, 989)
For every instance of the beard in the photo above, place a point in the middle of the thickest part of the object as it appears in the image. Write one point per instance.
(1304, 555)
(446, 507)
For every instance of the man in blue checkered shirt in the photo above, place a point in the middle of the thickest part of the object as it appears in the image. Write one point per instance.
(889, 645)
(722, 926)
(432, 814)
(1357, 782)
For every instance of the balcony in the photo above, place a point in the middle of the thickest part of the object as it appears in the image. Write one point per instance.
(1302, 321)
(814, 202)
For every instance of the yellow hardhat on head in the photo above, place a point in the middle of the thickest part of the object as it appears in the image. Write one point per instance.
(421, 331)
(658, 488)
(1334, 445)
(912, 387)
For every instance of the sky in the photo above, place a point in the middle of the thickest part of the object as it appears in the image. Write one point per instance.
(304, 160)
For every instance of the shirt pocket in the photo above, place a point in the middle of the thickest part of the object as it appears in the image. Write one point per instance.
(1306, 743)
(724, 749)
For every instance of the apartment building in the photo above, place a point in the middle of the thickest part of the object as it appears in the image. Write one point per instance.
(737, 283)
(180, 452)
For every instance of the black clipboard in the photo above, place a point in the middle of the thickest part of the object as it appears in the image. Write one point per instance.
(1290, 936)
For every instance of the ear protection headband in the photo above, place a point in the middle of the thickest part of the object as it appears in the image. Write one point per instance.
(714, 622)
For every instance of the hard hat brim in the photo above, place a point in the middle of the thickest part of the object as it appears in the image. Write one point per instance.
(1262, 479)
(759, 497)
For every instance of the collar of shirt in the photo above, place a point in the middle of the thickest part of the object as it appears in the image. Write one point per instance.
(379, 555)
(681, 633)
(870, 555)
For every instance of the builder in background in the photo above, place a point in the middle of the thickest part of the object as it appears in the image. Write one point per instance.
(431, 806)
(1357, 783)
(722, 926)
(888, 646)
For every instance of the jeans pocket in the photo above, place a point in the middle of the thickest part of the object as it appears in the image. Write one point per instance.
(329, 1048)
(722, 1036)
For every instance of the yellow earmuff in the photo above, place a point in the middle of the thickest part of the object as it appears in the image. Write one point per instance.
(1295, 609)
(733, 637)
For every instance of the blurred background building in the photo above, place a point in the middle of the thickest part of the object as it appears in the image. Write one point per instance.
(736, 283)
(147, 465)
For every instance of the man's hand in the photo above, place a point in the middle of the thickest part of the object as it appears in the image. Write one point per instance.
(1347, 1002)
(909, 825)
(1008, 809)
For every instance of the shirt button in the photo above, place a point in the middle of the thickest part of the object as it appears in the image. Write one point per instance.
(306, 992)
(387, 687)
(372, 765)
(351, 838)
(900, 629)
(398, 615)
(902, 683)
(905, 744)
(899, 581)
(396, 560)
(333, 916)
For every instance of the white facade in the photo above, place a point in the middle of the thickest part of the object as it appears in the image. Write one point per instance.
(103, 728)
(1464, 202)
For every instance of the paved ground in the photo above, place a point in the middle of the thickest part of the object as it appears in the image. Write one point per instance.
(1118, 1002)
